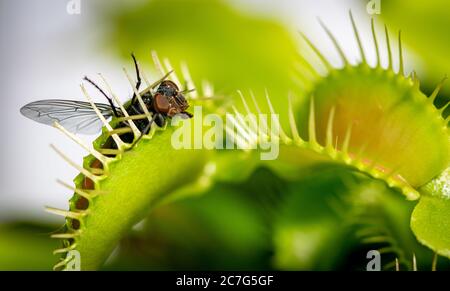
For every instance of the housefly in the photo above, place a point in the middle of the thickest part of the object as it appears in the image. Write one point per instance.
(80, 117)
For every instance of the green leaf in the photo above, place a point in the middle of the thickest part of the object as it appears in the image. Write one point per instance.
(430, 220)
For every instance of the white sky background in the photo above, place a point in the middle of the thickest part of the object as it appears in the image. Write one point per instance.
(44, 54)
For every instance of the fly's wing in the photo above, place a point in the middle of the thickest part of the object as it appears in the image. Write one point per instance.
(75, 116)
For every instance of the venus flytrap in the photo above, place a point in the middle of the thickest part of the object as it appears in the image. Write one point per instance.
(372, 120)
(430, 219)
(380, 219)
(376, 121)
(119, 182)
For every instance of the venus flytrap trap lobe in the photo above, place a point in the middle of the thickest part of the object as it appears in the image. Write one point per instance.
(430, 219)
(373, 120)
(378, 217)
(119, 181)
(333, 125)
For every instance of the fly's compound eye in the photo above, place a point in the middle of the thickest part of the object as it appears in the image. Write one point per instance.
(162, 104)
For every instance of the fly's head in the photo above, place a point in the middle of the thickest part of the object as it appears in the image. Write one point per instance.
(169, 100)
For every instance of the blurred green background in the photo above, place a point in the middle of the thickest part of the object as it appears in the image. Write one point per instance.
(264, 222)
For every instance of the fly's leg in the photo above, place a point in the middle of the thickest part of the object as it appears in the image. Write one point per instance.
(158, 118)
(104, 94)
(138, 76)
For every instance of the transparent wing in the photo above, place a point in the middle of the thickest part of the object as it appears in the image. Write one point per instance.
(75, 116)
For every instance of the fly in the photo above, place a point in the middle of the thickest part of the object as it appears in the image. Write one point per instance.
(80, 116)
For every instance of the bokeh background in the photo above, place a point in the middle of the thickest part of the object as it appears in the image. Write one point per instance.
(263, 222)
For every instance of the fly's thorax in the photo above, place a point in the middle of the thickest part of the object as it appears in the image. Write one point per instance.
(147, 98)
(136, 108)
